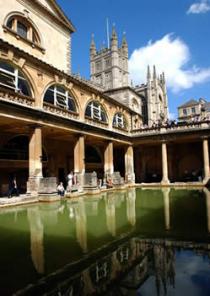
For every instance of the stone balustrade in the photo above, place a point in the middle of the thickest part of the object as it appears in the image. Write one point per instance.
(179, 127)
(60, 111)
(17, 98)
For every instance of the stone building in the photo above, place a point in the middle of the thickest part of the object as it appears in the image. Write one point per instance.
(194, 110)
(53, 122)
(109, 69)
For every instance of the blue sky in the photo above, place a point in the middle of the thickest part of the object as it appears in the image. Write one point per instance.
(173, 34)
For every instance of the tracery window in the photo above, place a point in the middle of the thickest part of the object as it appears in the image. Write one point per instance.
(12, 78)
(23, 28)
(119, 121)
(58, 96)
(96, 111)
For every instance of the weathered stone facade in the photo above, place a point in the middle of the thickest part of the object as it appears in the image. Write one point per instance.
(53, 123)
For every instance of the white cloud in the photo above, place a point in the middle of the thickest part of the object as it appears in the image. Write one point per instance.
(172, 56)
(199, 7)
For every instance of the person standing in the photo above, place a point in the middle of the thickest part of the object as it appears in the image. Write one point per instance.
(13, 187)
(70, 180)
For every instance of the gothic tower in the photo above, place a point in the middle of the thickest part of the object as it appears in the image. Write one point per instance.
(109, 66)
(154, 98)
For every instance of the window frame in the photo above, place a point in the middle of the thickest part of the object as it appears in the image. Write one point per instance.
(119, 121)
(16, 76)
(96, 107)
(62, 95)
(32, 35)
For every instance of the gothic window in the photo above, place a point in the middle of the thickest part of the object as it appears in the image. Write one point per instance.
(107, 63)
(60, 97)
(13, 79)
(23, 28)
(96, 111)
(119, 121)
(98, 66)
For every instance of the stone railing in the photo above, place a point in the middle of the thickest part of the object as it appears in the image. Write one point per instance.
(60, 111)
(17, 98)
(178, 127)
(95, 122)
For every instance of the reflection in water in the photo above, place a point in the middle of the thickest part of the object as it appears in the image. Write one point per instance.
(110, 204)
(37, 233)
(81, 224)
(131, 206)
(166, 192)
(207, 193)
(130, 243)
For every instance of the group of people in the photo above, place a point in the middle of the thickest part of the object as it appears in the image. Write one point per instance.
(71, 180)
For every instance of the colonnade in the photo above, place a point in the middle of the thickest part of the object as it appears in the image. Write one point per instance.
(35, 159)
(165, 178)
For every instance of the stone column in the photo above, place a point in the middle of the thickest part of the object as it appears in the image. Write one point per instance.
(79, 158)
(164, 164)
(129, 165)
(35, 161)
(108, 159)
(206, 160)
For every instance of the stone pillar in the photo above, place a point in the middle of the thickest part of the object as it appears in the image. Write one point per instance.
(108, 159)
(79, 159)
(206, 160)
(164, 164)
(166, 192)
(35, 161)
(129, 165)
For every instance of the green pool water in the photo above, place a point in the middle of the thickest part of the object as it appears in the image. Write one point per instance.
(132, 242)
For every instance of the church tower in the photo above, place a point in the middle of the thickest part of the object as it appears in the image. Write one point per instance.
(109, 66)
(154, 98)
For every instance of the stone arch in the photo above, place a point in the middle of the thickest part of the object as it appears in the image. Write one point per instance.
(27, 19)
(70, 92)
(24, 72)
(103, 108)
(125, 121)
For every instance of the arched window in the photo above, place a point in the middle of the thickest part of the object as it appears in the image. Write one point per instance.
(23, 28)
(119, 121)
(13, 79)
(96, 111)
(60, 97)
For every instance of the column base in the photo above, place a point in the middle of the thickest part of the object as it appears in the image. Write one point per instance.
(130, 178)
(40, 185)
(206, 181)
(165, 182)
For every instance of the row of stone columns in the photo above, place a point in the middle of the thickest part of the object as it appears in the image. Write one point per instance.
(35, 158)
(165, 179)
